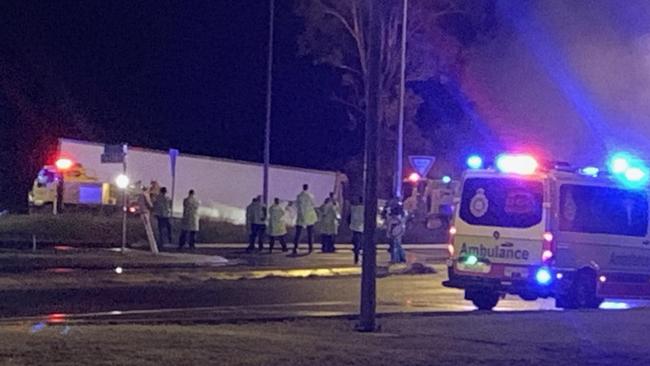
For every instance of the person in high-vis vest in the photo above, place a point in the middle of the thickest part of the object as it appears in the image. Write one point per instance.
(395, 228)
(190, 221)
(256, 216)
(277, 225)
(306, 218)
(356, 226)
(328, 225)
(162, 210)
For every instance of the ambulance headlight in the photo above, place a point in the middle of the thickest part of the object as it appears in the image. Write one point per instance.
(543, 276)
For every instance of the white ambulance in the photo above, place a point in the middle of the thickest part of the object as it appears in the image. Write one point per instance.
(578, 236)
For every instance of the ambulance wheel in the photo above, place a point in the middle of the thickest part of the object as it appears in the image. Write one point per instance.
(483, 300)
(582, 294)
(564, 302)
(584, 291)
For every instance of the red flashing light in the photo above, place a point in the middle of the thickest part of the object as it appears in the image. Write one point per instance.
(450, 249)
(414, 178)
(548, 237)
(63, 164)
(56, 318)
(547, 247)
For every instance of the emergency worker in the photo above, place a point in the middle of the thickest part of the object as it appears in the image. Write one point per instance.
(306, 218)
(190, 222)
(277, 225)
(395, 228)
(328, 226)
(256, 214)
(162, 210)
(356, 226)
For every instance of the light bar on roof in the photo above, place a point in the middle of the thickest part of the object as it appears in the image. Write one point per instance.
(522, 164)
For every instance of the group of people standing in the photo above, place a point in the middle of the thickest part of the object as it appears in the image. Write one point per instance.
(154, 200)
(327, 217)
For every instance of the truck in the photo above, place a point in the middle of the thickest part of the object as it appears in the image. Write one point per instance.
(551, 231)
(68, 183)
(225, 187)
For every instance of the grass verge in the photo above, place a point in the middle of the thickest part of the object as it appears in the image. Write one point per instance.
(542, 338)
(106, 230)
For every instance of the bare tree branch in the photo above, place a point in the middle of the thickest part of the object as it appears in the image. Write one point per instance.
(341, 18)
(354, 107)
(345, 67)
(354, 31)
(359, 31)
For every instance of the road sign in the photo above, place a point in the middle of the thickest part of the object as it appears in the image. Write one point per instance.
(173, 154)
(114, 154)
(422, 163)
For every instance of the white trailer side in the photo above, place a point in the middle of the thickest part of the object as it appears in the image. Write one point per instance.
(225, 187)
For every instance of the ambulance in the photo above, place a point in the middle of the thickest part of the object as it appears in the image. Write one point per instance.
(551, 231)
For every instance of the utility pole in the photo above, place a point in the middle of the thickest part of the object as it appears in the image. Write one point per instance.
(373, 92)
(125, 207)
(269, 89)
(399, 171)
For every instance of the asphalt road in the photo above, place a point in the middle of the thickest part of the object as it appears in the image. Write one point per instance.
(266, 297)
(247, 299)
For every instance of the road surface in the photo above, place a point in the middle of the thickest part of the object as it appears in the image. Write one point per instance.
(246, 299)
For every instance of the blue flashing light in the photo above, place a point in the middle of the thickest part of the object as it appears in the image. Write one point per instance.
(620, 162)
(630, 171)
(475, 162)
(619, 165)
(591, 171)
(446, 179)
(543, 276)
(635, 174)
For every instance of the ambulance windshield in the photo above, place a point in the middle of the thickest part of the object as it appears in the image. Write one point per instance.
(502, 202)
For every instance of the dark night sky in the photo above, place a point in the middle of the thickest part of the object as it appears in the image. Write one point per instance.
(192, 75)
(186, 74)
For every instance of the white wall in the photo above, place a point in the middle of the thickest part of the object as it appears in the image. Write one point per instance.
(224, 187)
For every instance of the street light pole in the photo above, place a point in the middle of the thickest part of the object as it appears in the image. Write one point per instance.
(369, 266)
(269, 89)
(125, 210)
(399, 173)
(125, 207)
